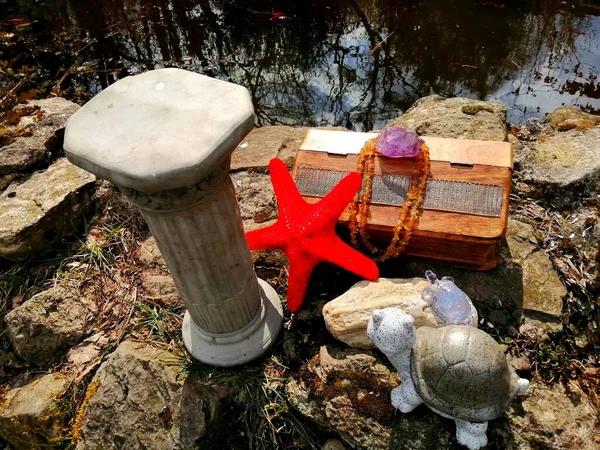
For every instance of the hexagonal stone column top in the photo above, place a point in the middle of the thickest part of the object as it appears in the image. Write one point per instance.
(162, 130)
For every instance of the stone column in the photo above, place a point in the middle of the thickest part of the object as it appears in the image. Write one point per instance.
(165, 139)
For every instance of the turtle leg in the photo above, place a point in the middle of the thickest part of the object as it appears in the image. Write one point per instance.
(471, 435)
(405, 397)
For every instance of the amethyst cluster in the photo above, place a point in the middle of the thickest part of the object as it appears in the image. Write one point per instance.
(397, 142)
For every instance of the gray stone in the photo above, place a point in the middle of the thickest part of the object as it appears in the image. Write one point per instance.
(149, 254)
(344, 391)
(568, 118)
(181, 151)
(347, 316)
(348, 392)
(258, 209)
(543, 290)
(160, 287)
(140, 402)
(47, 132)
(458, 117)
(265, 143)
(523, 283)
(56, 111)
(43, 210)
(22, 154)
(554, 417)
(30, 414)
(255, 196)
(565, 167)
(47, 323)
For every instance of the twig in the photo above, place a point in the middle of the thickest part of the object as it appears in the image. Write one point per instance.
(133, 302)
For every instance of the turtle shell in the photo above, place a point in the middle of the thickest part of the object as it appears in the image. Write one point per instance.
(461, 372)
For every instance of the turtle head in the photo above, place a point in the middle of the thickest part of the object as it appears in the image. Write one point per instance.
(391, 330)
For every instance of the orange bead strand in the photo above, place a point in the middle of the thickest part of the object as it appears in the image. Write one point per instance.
(409, 212)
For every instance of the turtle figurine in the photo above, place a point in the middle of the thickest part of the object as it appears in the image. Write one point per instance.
(458, 371)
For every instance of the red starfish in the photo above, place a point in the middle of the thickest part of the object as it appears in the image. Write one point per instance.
(306, 232)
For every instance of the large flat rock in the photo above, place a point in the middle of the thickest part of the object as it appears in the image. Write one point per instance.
(552, 417)
(458, 117)
(347, 316)
(265, 143)
(543, 291)
(139, 401)
(29, 414)
(565, 167)
(49, 322)
(348, 392)
(46, 135)
(43, 210)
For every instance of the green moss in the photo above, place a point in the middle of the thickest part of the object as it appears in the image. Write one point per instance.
(474, 109)
(564, 154)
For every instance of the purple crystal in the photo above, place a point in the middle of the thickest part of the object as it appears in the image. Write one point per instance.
(397, 142)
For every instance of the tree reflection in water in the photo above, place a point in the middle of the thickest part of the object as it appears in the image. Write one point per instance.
(354, 63)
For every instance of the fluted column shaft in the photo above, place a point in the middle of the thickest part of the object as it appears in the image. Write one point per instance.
(201, 238)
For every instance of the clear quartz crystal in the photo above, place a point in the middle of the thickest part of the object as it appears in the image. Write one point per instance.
(448, 301)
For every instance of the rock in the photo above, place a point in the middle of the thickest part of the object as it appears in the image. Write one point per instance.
(30, 415)
(565, 166)
(333, 444)
(141, 403)
(255, 196)
(347, 316)
(457, 117)
(44, 209)
(6, 180)
(543, 290)
(22, 154)
(46, 136)
(523, 283)
(568, 118)
(533, 126)
(549, 417)
(56, 111)
(160, 287)
(149, 254)
(268, 264)
(47, 323)
(265, 143)
(349, 392)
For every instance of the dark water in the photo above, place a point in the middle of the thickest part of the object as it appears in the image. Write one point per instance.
(352, 63)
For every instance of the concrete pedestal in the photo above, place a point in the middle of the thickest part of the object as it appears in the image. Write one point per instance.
(165, 138)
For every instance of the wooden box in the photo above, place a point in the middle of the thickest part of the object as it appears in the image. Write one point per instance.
(466, 206)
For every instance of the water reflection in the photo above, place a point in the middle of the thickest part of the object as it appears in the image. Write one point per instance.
(354, 63)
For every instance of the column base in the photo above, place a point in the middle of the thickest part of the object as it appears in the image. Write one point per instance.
(240, 346)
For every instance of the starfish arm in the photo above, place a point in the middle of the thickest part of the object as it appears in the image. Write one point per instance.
(301, 267)
(334, 203)
(289, 200)
(332, 249)
(269, 237)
